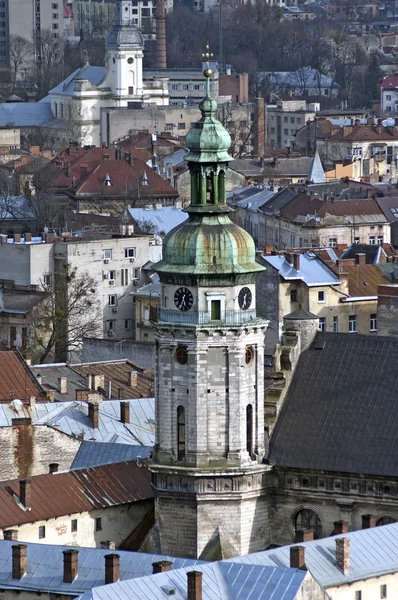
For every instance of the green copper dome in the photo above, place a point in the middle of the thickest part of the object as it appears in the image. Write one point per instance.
(207, 140)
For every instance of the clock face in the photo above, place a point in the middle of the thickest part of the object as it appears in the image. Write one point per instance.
(183, 298)
(245, 298)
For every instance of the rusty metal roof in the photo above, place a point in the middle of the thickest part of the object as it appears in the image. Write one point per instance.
(16, 381)
(57, 494)
(362, 279)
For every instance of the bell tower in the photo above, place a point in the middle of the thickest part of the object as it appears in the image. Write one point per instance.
(207, 468)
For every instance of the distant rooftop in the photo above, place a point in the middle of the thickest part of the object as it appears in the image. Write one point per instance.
(312, 271)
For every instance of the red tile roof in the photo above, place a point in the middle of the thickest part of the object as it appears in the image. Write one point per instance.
(58, 494)
(16, 380)
(350, 207)
(389, 83)
(363, 133)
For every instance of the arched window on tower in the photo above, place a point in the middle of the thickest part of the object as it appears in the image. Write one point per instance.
(249, 429)
(181, 432)
(131, 83)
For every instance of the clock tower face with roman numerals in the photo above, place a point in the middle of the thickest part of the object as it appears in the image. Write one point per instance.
(183, 298)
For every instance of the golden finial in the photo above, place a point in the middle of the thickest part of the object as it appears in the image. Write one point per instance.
(206, 57)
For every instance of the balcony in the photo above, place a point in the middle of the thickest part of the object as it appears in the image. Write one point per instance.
(228, 317)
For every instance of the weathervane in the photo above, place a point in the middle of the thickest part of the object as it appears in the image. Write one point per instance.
(207, 72)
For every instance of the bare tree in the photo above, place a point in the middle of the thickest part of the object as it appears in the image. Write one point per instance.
(70, 312)
(49, 60)
(21, 53)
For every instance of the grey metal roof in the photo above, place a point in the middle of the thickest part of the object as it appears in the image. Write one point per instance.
(67, 86)
(124, 37)
(334, 416)
(50, 374)
(102, 453)
(25, 114)
(312, 270)
(300, 315)
(280, 200)
(45, 567)
(150, 290)
(165, 218)
(221, 581)
(373, 552)
(252, 199)
(72, 418)
(175, 158)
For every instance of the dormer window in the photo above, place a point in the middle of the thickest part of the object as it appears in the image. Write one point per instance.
(107, 180)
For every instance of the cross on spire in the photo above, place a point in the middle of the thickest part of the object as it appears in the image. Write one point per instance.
(206, 56)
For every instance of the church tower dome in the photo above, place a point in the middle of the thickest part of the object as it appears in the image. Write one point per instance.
(208, 465)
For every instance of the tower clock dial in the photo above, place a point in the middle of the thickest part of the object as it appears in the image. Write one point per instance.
(183, 298)
(245, 298)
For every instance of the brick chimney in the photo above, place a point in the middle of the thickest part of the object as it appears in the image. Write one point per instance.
(297, 557)
(112, 568)
(340, 527)
(343, 555)
(24, 493)
(368, 521)
(98, 381)
(125, 412)
(28, 237)
(194, 585)
(161, 57)
(11, 535)
(50, 395)
(161, 566)
(296, 261)
(360, 258)
(71, 565)
(93, 413)
(19, 560)
(259, 128)
(53, 467)
(108, 545)
(63, 385)
(17, 237)
(304, 535)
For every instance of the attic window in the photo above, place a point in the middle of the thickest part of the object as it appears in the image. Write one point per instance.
(144, 180)
(107, 180)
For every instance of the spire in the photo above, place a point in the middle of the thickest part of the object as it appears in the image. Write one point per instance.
(316, 174)
(123, 13)
(207, 72)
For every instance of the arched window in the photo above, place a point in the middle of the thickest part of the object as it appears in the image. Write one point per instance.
(249, 429)
(385, 521)
(181, 432)
(62, 110)
(55, 110)
(308, 519)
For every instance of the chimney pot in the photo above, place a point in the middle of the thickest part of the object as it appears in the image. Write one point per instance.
(304, 535)
(368, 521)
(340, 527)
(125, 412)
(343, 554)
(161, 566)
(11, 535)
(93, 413)
(53, 467)
(112, 568)
(297, 557)
(108, 545)
(19, 560)
(63, 385)
(133, 378)
(194, 585)
(71, 565)
(24, 493)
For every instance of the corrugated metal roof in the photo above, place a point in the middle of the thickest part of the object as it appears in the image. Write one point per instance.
(221, 581)
(165, 218)
(72, 418)
(372, 552)
(363, 279)
(57, 494)
(102, 453)
(312, 270)
(45, 567)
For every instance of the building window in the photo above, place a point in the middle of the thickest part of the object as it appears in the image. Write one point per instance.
(98, 524)
(127, 324)
(380, 240)
(385, 521)
(124, 274)
(286, 119)
(308, 519)
(249, 355)
(372, 240)
(293, 295)
(129, 253)
(181, 432)
(321, 296)
(388, 97)
(358, 595)
(356, 240)
(181, 125)
(112, 275)
(322, 324)
(285, 132)
(42, 532)
(112, 300)
(383, 591)
(106, 254)
(249, 429)
(335, 324)
(352, 324)
(216, 310)
(111, 325)
(332, 242)
(73, 525)
(373, 322)
(182, 355)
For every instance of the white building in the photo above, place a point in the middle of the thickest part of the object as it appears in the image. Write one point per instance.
(80, 97)
(389, 95)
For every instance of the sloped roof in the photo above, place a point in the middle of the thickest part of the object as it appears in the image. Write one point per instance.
(16, 381)
(344, 208)
(390, 82)
(102, 453)
(342, 389)
(363, 279)
(25, 114)
(164, 219)
(221, 580)
(372, 252)
(301, 205)
(294, 167)
(57, 494)
(312, 271)
(67, 86)
(316, 173)
(363, 133)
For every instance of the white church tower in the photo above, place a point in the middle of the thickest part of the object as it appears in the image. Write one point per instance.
(208, 471)
(124, 56)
